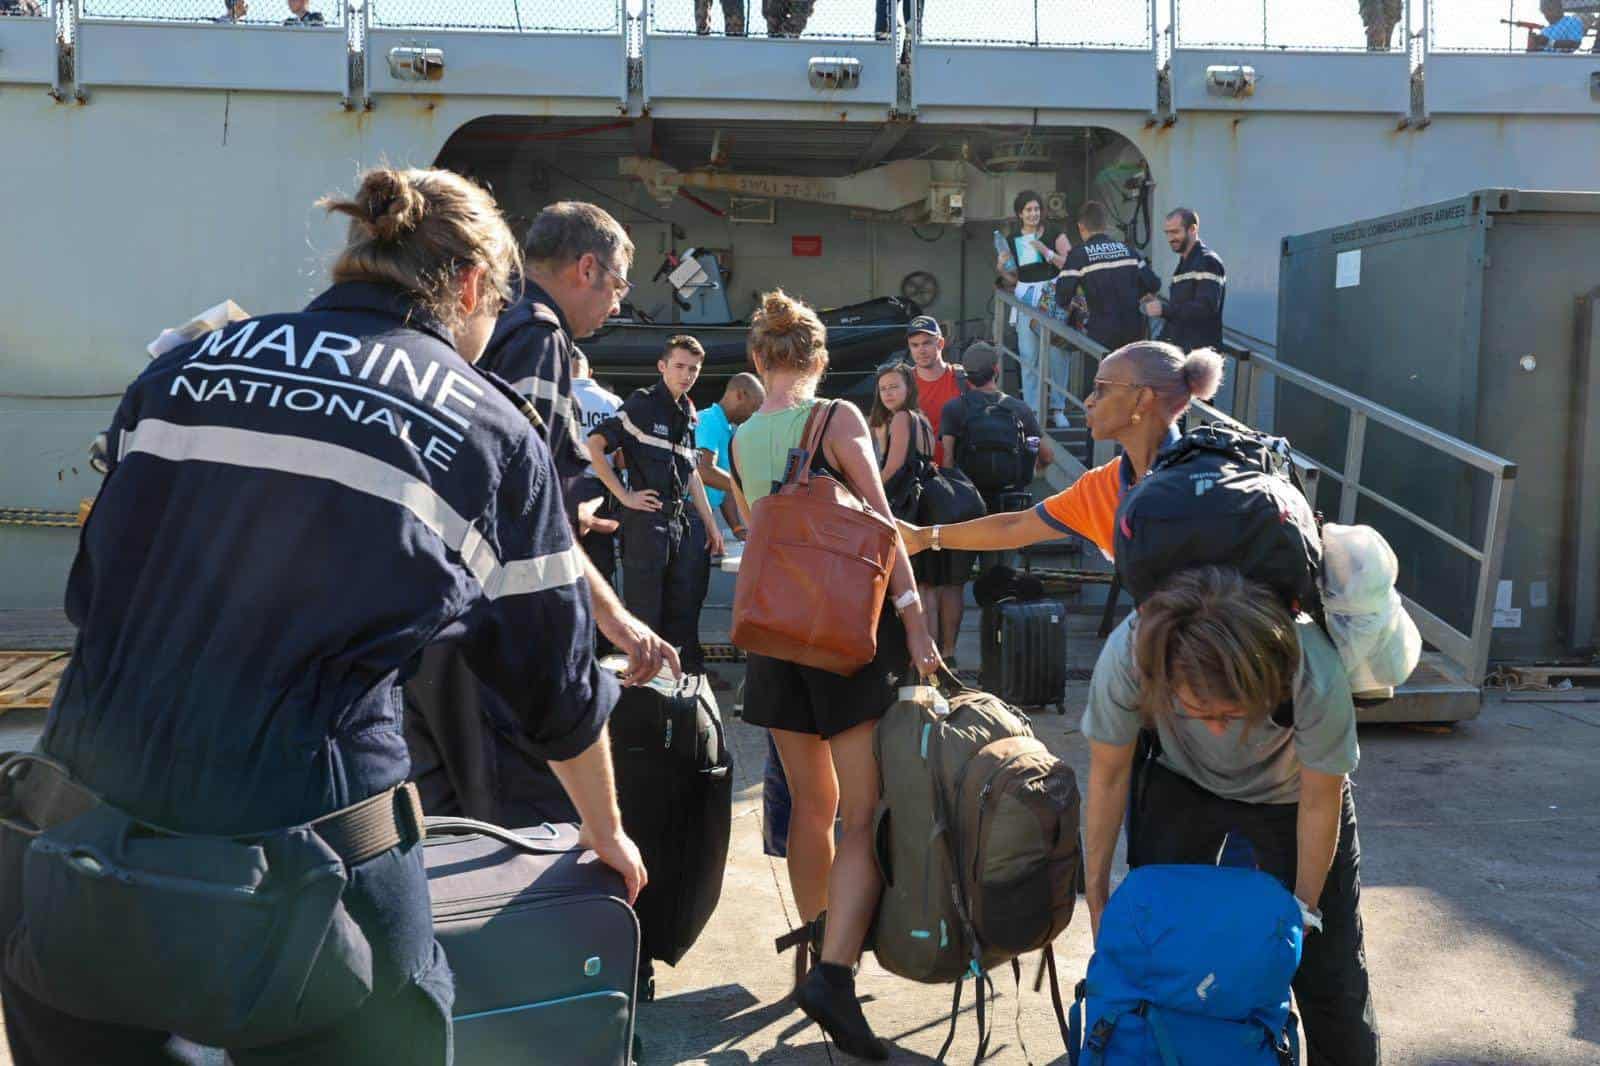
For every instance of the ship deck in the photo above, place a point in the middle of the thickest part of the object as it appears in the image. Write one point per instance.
(1481, 900)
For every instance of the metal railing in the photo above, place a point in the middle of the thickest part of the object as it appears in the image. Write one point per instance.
(519, 16)
(1120, 24)
(1287, 25)
(813, 19)
(1488, 26)
(1250, 363)
(224, 13)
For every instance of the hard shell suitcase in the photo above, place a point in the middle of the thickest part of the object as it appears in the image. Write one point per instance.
(541, 941)
(1024, 658)
(674, 776)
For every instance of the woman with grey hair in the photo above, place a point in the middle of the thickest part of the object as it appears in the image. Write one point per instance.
(1140, 391)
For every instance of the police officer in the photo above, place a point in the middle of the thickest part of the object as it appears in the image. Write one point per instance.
(668, 530)
(575, 276)
(593, 403)
(1193, 307)
(296, 506)
(1112, 277)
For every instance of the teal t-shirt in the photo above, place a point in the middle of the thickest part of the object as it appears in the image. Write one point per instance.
(714, 433)
(763, 447)
(1263, 768)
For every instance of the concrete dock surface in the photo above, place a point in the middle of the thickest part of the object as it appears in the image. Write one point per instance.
(1481, 896)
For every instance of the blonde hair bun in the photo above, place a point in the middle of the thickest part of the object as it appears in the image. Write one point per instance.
(787, 333)
(393, 206)
(779, 311)
(416, 229)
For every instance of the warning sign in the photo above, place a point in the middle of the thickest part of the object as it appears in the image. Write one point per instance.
(805, 246)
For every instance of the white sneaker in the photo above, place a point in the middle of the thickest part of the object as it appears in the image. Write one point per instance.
(1058, 420)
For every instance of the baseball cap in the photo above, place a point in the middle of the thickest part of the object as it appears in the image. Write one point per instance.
(924, 324)
(980, 358)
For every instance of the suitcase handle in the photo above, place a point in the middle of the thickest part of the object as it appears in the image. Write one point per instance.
(559, 843)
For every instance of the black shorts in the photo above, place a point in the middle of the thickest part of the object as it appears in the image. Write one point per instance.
(802, 699)
(943, 568)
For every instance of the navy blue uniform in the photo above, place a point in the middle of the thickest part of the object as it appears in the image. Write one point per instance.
(297, 506)
(467, 754)
(666, 566)
(1193, 308)
(1113, 280)
(532, 350)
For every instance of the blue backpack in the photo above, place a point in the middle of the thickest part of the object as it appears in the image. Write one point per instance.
(1192, 968)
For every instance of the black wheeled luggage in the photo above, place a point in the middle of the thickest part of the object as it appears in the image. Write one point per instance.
(542, 943)
(1024, 658)
(675, 787)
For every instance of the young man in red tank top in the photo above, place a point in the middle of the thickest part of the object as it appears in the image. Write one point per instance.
(937, 384)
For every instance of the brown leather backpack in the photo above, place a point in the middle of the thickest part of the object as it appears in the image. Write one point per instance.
(815, 567)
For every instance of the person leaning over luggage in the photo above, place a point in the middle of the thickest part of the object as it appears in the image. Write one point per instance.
(823, 722)
(1255, 738)
(669, 532)
(578, 258)
(263, 562)
(462, 736)
(1139, 394)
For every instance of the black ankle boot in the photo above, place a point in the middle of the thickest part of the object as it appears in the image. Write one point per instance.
(828, 997)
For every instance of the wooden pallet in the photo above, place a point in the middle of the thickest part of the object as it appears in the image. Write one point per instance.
(29, 678)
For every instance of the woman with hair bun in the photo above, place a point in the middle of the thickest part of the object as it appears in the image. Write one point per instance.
(1140, 392)
(298, 505)
(823, 722)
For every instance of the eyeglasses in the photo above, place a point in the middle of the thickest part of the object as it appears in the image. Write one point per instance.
(626, 286)
(1101, 384)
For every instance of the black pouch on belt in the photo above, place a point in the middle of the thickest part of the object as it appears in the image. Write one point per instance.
(228, 942)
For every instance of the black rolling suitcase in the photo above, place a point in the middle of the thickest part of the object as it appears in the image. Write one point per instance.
(675, 787)
(1025, 653)
(542, 943)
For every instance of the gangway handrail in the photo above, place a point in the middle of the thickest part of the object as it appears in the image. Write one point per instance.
(1251, 355)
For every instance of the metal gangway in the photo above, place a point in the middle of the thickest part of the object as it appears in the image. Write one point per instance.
(1447, 685)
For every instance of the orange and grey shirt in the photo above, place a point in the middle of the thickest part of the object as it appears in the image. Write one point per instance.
(1088, 506)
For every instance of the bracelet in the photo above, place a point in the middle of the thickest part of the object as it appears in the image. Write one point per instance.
(934, 542)
(905, 599)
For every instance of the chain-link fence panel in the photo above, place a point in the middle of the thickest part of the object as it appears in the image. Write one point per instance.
(311, 14)
(1043, 23)
(1293, 25)
(1509, 25)
(37, 9)
(519, 16)
(823, 19)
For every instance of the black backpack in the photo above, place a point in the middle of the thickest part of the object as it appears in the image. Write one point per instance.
(1225, 497)
(993, 449)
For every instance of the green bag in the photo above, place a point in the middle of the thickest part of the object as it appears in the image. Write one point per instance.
(976, 837)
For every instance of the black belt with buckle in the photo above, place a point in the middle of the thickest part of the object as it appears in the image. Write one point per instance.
(43, 791)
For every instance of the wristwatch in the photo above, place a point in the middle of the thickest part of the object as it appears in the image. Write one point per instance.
(934, 543)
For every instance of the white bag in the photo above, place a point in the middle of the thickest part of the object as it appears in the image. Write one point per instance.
(1377, 640)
